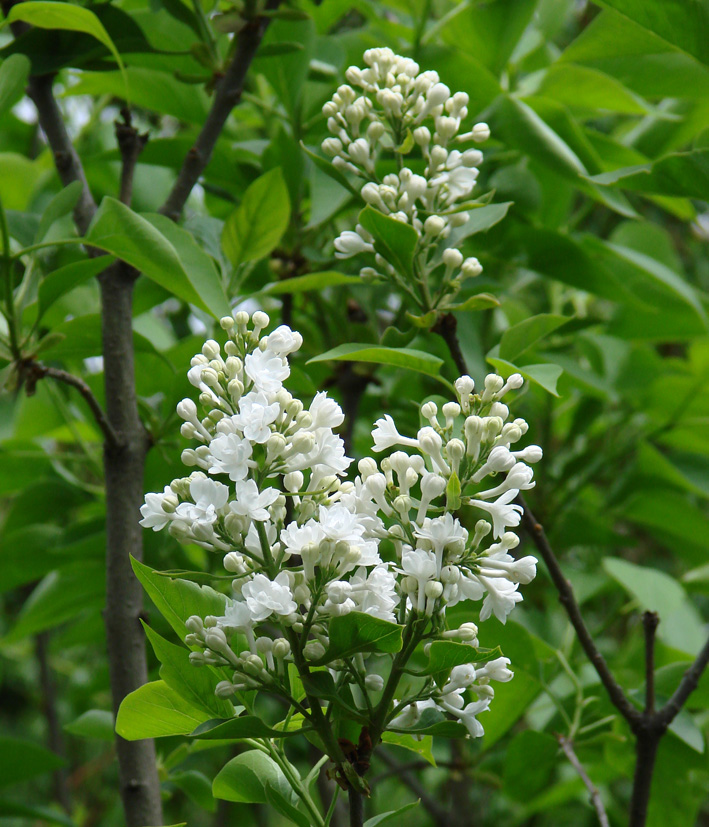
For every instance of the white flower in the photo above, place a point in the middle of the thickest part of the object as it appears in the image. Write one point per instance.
(496, 670)
(209, 497)
(255, 415)
(252, 503)
(375, 593)
(386, 436)
(265, 597)
(283, 341)
(236, 616)
(500, 599)
(350, 243)
(422, 566)
(230, 454)
(502, 512)
(266, 370)
(326, 413)
(468, 719)
(294, 537)
(153, 514)
(440, 533)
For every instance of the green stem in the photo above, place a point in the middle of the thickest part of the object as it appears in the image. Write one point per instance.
(63, 242)
(7, 278)
(295, 782)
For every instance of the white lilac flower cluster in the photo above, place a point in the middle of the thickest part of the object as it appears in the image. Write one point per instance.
(305, 547)
(398, 108)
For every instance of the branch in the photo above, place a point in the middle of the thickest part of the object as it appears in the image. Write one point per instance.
(438, 813)
(447, 327)
(227, 96)
(650, 623)
(568, 748)
(33, 371)
(130, 143)
(66, 158)
(568, 601)
(687, 685)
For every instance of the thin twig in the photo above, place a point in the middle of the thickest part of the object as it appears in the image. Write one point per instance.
(446, 327)
(66, 159)
(650, 623)
(568, 748)
(687, 685)
(33, 371)
(130, 143)
(227, 96)
(568, 601)
(438, 814)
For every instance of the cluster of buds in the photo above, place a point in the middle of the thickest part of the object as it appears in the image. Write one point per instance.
(389, 544)
(399, 109)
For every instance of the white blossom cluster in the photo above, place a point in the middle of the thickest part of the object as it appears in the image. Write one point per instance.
(392, 105)
(305, 546)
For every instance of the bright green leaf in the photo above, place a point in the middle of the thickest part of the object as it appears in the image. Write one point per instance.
(96, 724)
(311, 281)
(246, 778)
(155, 711)
(393, 239)
(360, 632)
(59, 282)
(520, 337)
(258, 223)
(417, 360)
(546, 376)
(14, 72)
(235, 729)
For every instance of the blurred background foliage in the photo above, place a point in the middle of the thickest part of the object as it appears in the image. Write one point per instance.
(595, 244)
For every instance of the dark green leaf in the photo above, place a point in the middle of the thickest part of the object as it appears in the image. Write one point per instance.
(393, 239)
(546, 376)
(417, 360)
(96, 724)
(236, 729)
(311, 281)
(524, 777)
(392, 815)
(14, 72)
(520, 337)
(481, 301)
(21, 759)
(62, 204)
(684, 174)
(59, 282)
(360, 632)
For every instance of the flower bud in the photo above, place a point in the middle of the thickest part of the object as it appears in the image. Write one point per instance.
(452, 258)
(480, 133)
(374, 683)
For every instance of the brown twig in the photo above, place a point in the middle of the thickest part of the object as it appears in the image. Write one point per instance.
(226, 97)
(446, 327)
(32, 371)
(55, 739)
(596, 801)
(130, 144)
(650, 624)
(568, 601)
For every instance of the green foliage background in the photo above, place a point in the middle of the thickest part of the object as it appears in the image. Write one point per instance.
(595, 245)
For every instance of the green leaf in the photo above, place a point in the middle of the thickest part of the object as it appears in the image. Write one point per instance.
(453, 493)
(360, 632)
(196, 786)
(14, 72)
(43, 814)
(445, 654)
(311, 281)
(324, 165)
(125, 234)
(96, 724)
(20, 760)
(200, 267)
(195, 685)
(519, 125)
(80, 338)
(392, 815)
(416, 360)
(176, 600)
(258, 223)
(520, 337)
(59, 282)
(524, 778)
(680, 174)
(45, 14)
(479, 221)
(155, 711)
(587, 88)
(680, 624)
(61, 596)
(393, 239)
(434, 722)
(422, 746)
(682, 25)
(26, 556)
(280, 803)
(246, 778)
(235, 729)
(481, 301)
(62, 204)
(546, 376)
